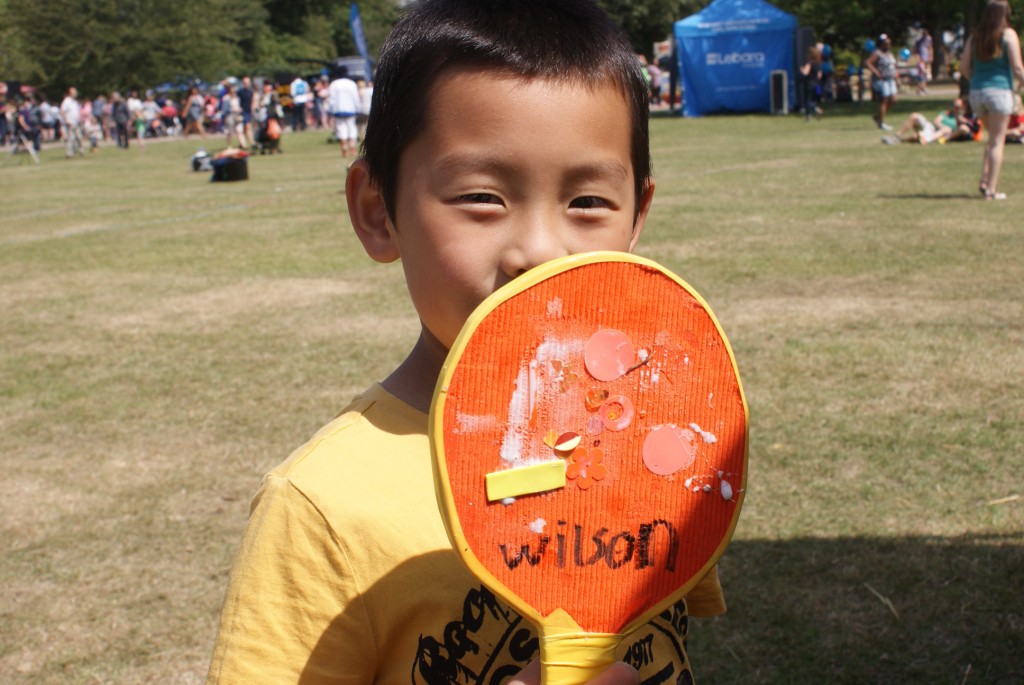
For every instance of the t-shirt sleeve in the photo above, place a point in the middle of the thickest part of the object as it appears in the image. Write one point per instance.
(293, 611)
(706, 598)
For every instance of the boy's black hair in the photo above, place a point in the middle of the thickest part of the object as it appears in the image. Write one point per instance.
(571, 41)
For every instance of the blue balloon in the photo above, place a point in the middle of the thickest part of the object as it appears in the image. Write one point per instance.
(869, 45)
(826, 50)
(904, 54)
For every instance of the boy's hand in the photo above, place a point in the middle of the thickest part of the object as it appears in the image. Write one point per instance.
(616, 674)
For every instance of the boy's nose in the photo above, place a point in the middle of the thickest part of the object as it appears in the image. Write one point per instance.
(536, 240)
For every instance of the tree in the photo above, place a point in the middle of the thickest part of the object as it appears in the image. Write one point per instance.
(649, 21)
(848, 24)
(324, 27)
(102, 45)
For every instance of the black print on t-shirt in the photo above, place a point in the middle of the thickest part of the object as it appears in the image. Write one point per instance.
(489, 643)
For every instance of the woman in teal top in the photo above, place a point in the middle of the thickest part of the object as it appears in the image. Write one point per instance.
(991, 59)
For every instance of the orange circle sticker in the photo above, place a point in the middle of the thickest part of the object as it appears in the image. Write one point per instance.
(608, 354)
(668, 449)
(617, 413)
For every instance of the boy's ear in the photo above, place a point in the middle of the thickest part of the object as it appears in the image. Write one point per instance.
(369, 215)
(641, 215)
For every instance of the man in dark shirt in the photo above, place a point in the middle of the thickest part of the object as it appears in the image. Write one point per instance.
(245, 100)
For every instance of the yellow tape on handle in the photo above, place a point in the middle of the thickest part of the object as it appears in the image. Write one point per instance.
(570, 656)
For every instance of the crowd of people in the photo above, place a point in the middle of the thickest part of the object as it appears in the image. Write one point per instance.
(993, 112)
(958, 123)
(252, 116)
(249, 113)
(249, 116)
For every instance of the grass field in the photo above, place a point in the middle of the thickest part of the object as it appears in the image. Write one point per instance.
(166, 340)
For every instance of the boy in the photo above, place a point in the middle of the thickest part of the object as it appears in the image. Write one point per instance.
(92, 131)
(494, 144)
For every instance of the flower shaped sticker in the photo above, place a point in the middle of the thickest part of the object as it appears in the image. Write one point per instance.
(585, 466)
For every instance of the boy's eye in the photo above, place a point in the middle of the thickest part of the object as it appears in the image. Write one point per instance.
(480, 198)
(589, 202)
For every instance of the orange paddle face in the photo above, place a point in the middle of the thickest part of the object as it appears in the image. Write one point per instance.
(590, 439)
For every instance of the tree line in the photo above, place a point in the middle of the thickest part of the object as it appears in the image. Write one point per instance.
(104, 45)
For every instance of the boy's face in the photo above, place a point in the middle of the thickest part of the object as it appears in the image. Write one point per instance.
(507, 174)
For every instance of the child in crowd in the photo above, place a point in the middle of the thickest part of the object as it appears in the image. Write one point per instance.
(93, 132)
(504, 134)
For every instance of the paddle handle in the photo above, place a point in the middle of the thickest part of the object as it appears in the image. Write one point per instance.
(570, 657)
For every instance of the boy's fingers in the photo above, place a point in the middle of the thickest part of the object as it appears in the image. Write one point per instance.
(617, 674)
(529, 675)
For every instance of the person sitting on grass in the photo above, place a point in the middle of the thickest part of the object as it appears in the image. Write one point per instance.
(503, 134)
(960, 120)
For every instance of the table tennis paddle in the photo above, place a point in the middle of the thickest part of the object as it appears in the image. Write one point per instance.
(589, 437)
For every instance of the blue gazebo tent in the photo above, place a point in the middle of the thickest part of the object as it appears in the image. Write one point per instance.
(727, 52)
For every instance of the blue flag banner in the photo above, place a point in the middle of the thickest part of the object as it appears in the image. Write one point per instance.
(356, 22)
(727, 53)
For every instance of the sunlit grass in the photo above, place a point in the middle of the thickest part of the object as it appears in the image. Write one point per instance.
(166, 340)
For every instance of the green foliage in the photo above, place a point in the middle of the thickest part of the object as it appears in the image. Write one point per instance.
(101, 45)
(104, 45)
(847, 24)
(13, 61)
(650, 21)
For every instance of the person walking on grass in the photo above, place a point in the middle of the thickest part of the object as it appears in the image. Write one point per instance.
(923, 48)
(234, 123)
(121, 116)
(810, 77)
(71, 116)
(882, 65)
(299, 90)
(343, 103)
(194, 107)
(991, 59)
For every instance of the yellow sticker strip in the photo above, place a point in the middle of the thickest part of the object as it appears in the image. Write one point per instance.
(527, 480)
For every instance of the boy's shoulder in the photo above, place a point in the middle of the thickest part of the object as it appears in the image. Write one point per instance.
(366, 472)
(375, 440)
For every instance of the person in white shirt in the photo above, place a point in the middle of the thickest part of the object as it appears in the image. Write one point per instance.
(71, 116)
(343, 102)
(299, 91)
(365, 99)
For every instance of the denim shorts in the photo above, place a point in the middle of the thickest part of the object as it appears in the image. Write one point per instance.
(886, 87)
(992, 101)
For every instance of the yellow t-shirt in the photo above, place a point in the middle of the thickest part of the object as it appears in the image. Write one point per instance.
(346, 574)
